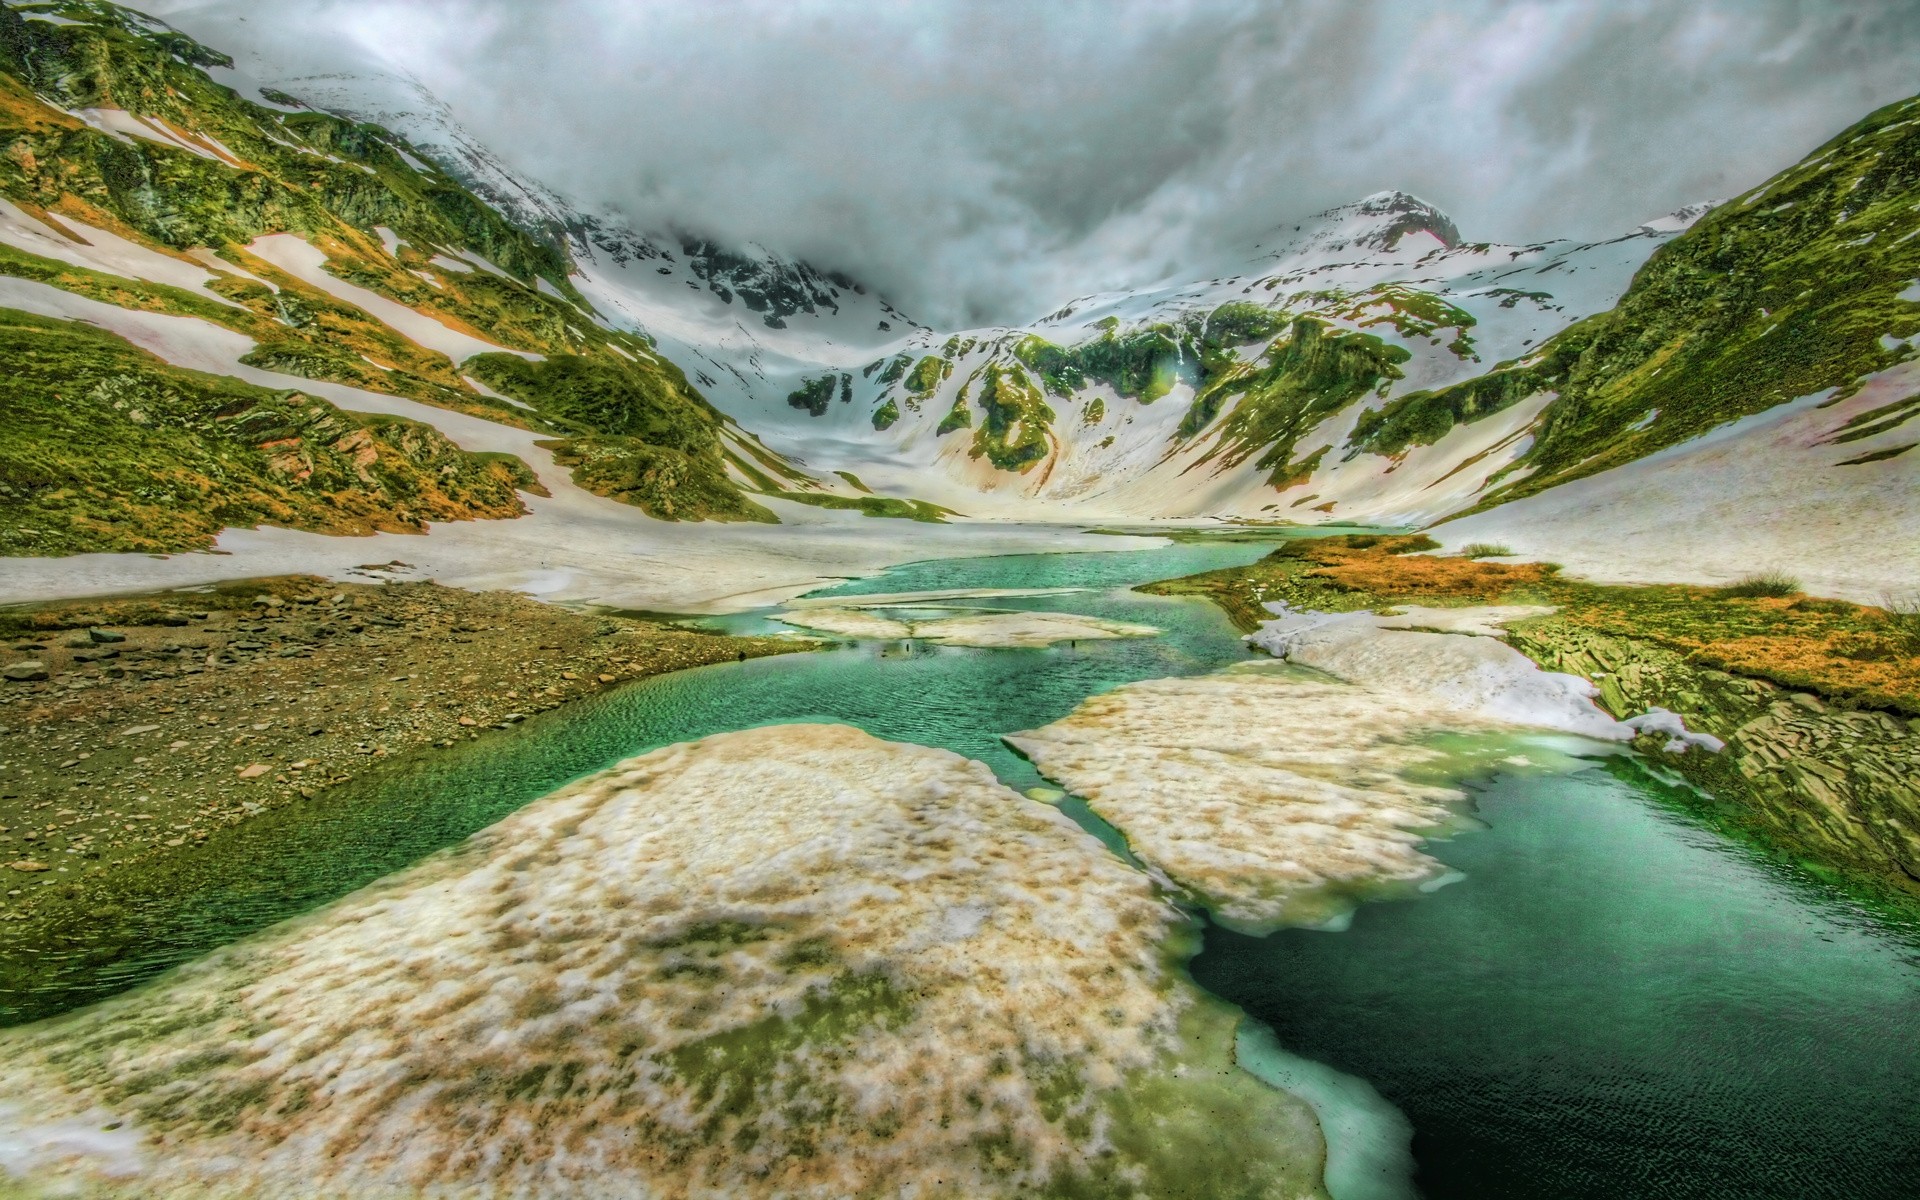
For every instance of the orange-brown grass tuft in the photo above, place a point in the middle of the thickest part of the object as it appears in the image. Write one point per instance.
(1389, 566)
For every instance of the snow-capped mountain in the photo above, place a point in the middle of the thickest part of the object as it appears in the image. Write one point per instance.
(1390, 269)
(750, 291)
(1366, 363)
(967, 418)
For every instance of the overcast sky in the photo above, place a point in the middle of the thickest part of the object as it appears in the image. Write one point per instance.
(981, 160)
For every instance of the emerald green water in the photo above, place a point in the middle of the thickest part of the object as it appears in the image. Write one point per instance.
(292, 860)
(1612, 1003)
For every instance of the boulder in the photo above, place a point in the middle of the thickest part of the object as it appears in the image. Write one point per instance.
(104, 637)
(25, 672)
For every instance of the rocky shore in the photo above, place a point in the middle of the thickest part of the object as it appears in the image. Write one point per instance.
(132, 729)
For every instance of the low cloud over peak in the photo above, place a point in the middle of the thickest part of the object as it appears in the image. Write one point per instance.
(981, 161)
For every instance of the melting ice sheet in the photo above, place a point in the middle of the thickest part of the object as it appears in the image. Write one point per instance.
(1281, 797)
(793, 960)
(999, 630)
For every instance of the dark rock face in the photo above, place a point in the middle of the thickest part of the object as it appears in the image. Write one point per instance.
(1405, 214)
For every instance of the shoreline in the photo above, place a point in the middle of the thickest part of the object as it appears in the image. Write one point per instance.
(182, 715)
(1819, 710)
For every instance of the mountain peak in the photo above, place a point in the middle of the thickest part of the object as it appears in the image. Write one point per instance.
(1372, 225)
(1404, 213)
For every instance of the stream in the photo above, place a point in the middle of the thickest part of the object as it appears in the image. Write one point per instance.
(1611, 1002)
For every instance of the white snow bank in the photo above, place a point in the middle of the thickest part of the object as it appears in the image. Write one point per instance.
(1773, 491)
(1463, 668)
(303, 261)
(998, 630)
(99, 250)
(1472, 675)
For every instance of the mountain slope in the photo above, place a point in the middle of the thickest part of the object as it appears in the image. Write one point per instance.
(1362, 364)
(1801, 286)
(336, 252)
(1236, 395)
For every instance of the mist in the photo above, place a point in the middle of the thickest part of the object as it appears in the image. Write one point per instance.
(982, 161)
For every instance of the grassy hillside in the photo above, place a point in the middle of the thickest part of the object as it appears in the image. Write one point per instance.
(1800, 286)
(221, 171)
(104, 447)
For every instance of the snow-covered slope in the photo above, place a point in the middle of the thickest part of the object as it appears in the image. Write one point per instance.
(1389, 267)
(738, 299)
(754, 330)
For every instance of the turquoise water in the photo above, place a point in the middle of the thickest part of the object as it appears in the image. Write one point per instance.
(1611, 1003)
(292, 860)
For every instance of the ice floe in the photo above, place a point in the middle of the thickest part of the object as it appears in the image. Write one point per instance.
(999, 630)
(793, 961)
(1280, 796)
(1275, 797)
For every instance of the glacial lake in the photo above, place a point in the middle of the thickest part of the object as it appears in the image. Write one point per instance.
(1613, 1001)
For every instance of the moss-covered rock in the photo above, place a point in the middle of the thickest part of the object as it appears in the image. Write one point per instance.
(928, 374)
(814, 395)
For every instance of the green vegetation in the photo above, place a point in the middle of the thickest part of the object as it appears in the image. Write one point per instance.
(1142, 365)
(1486, 550)
(875, 506)
(960, 416)
(1791, 290)
(1095, 412)
(1314, 372)
(814, 395)
(887, 414)
(331, 182)
(1424, 417)
(1409, 311)
(1015, 434)
(104, 447)
(895, 368)
(928, 374)
(1763, 583)
(633, 435)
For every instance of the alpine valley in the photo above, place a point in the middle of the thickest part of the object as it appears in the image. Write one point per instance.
(503, 701)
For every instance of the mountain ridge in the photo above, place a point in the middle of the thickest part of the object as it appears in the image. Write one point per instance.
(1364, 363)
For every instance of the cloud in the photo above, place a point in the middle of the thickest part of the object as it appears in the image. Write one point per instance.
(984, 160)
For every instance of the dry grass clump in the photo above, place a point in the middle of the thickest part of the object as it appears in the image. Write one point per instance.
(1762, 584)
(1903, 622)
(1390, 566)
(1486, 550)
